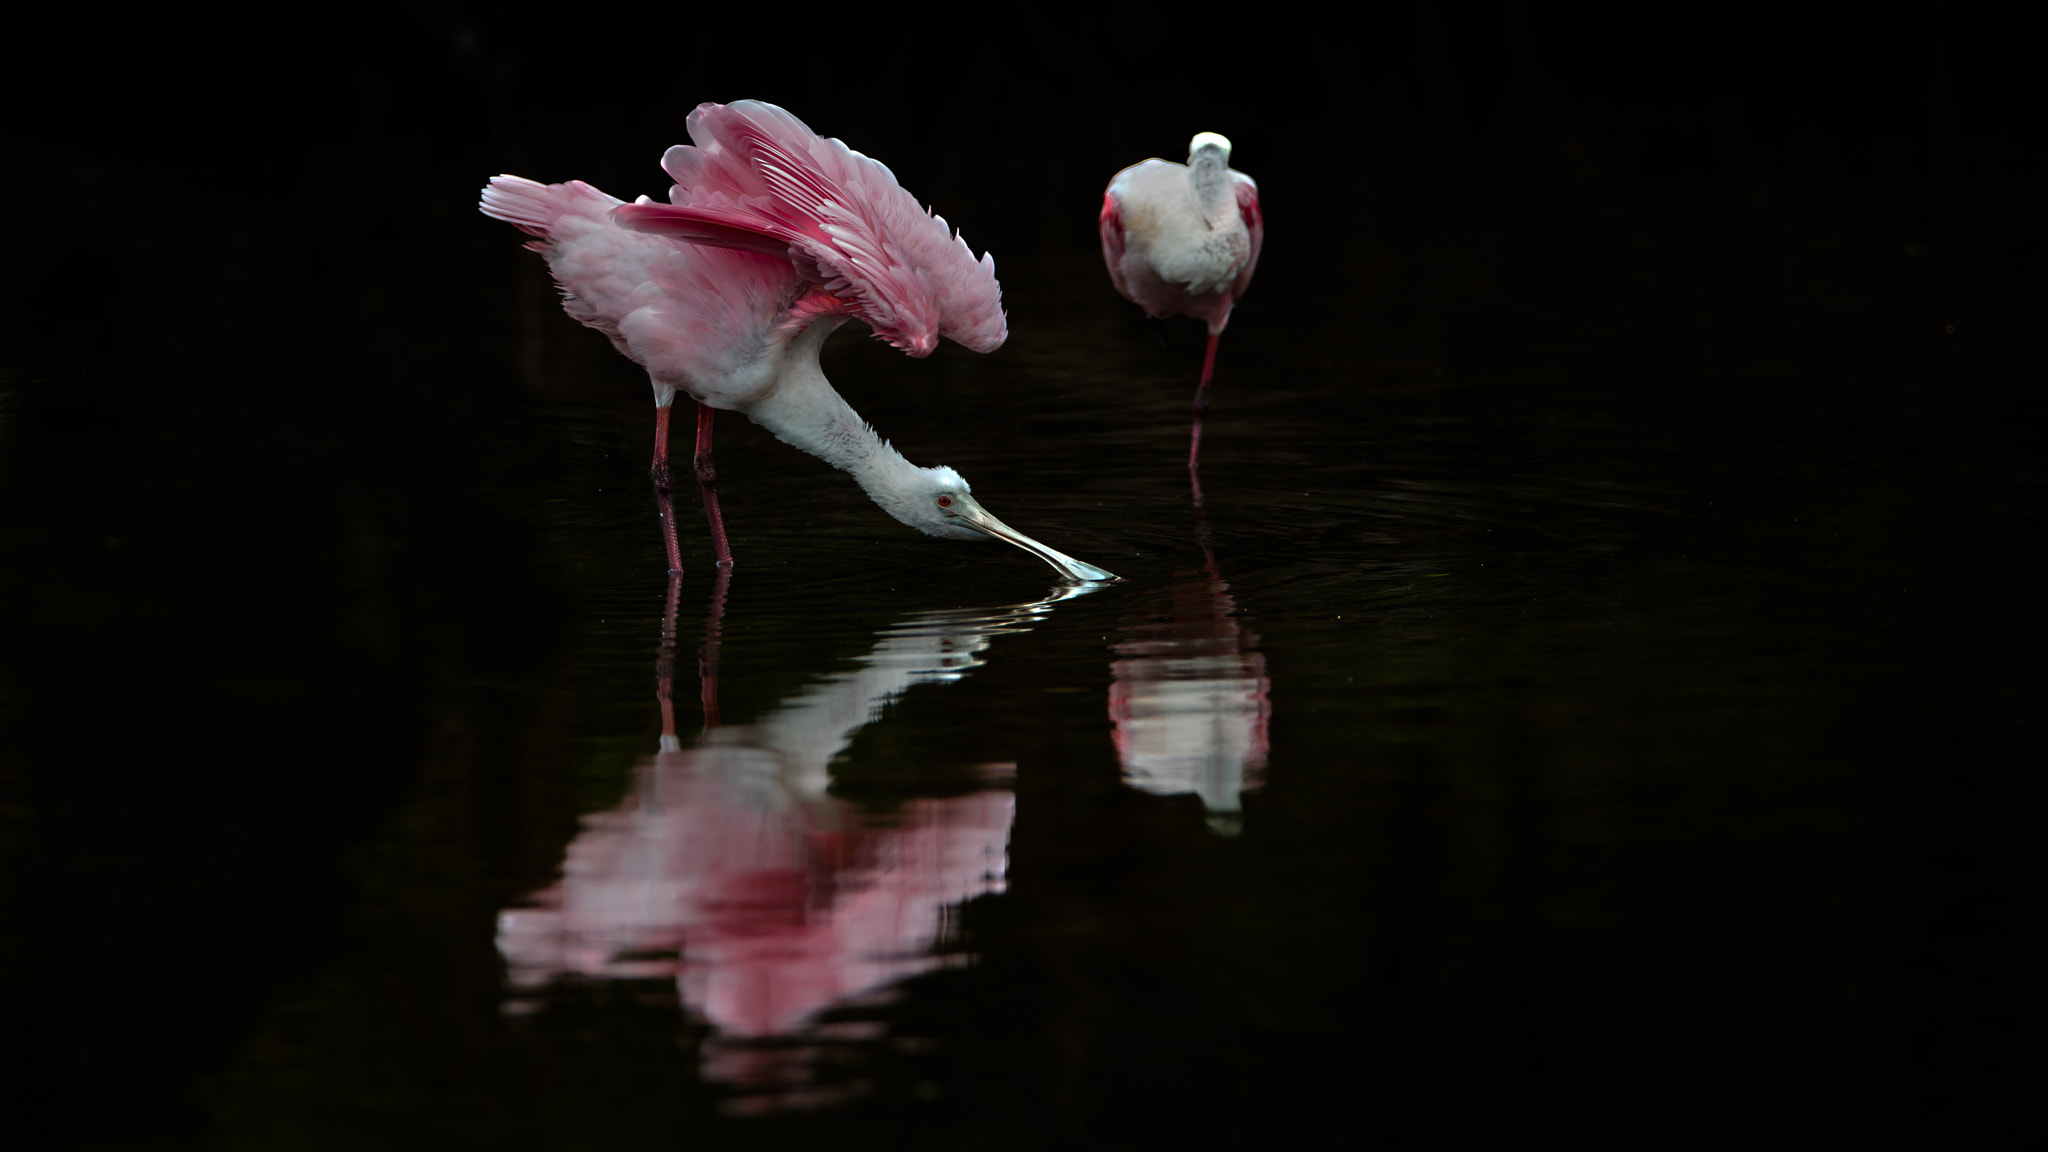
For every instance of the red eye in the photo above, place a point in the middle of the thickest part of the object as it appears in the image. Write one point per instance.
(945, 501)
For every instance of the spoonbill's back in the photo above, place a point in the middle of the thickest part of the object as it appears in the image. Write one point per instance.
(772, 238)
(1182, 240)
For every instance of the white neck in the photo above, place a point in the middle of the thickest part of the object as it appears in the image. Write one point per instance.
(804, 411)
(1209, 181)
(815, 725)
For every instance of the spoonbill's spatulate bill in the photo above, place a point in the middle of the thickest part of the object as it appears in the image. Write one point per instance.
(773, 236)
(1182, 240)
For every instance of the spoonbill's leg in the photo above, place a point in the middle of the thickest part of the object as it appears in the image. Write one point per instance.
(665, 665)
(707, 656)
(707, 480)
(1201, 409)
(663, 490)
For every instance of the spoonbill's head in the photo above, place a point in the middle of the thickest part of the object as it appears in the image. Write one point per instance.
(1208, 140)
(937, 502)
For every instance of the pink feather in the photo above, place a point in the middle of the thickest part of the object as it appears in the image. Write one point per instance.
(1111, 223)
(686, 313)
(1255, 222)
(757, 176)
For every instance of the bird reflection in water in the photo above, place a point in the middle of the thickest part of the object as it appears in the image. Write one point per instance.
(1190, 697)
(731, 870)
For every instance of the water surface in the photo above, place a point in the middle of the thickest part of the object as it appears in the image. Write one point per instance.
(1489, 750)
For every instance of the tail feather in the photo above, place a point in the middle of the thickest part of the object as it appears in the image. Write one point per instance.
(599, 267)
(527, 205)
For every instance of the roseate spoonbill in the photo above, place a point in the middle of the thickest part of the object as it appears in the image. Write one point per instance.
(772, 238)
(1182, 240)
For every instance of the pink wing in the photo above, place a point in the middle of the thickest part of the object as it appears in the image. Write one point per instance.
(759, 180)
(1111, 222)
(1255, 221)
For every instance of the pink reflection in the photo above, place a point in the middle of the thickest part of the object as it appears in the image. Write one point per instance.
(1190, 698)
(731, 870)
(767, 907)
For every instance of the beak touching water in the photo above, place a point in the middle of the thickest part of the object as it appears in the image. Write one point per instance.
(1075, 571)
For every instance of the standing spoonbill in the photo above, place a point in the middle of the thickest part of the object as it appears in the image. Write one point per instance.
(773, 237)
(1182, 240)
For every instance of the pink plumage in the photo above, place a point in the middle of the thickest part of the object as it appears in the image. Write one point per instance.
(1183, 239)
(841, 218)
(773, 237)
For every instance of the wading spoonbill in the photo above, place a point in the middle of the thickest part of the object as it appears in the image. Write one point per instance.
(1182, 240)
(773, 236)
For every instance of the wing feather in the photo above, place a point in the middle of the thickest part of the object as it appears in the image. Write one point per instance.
(756, 173)
(1111, 225)
(1255, 223)
(708, 227)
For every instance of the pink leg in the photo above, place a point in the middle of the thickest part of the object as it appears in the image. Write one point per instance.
(707, 478)
(707, 656)
(662, 491)
(1202, 408)
(665, 663)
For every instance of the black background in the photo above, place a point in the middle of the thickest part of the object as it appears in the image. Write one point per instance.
(271, 211)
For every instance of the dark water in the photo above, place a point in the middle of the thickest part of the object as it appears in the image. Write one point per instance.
(1497, 754)
(1599, 699)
